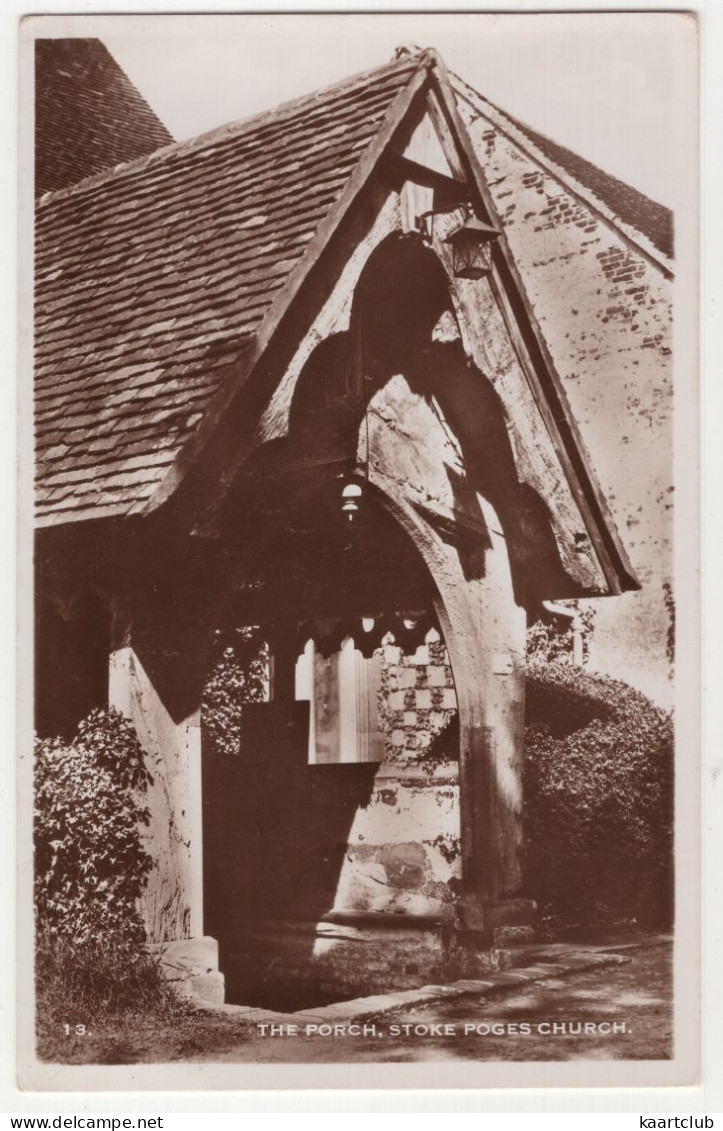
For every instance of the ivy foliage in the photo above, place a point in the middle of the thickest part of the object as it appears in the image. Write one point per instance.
(239, 674)
(598, 795)
(90, 863)
(553, 641)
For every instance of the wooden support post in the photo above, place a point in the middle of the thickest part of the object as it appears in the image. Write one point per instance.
(172, 903)
(484, 631)
(485, 634)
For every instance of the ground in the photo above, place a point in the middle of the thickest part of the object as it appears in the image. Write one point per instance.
(635, 994)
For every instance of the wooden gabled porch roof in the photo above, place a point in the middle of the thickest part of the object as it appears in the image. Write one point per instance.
(161, 286)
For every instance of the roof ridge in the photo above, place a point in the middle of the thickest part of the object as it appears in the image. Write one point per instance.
(236, 128)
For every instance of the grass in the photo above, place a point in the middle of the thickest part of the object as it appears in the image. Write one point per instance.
(81, 989)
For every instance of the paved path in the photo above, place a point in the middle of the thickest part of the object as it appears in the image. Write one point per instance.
(537, 1012)
(572, 1003)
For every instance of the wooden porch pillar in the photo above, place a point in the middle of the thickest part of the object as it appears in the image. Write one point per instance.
(172, 903)
(484, 630)
(485, 635)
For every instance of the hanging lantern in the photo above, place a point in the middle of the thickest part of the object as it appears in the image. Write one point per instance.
(471, 255)
(350, 496)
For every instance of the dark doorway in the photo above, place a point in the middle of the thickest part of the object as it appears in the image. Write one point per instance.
(276, 828)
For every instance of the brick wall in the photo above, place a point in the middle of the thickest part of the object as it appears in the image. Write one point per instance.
(301, 965)
(604, 308)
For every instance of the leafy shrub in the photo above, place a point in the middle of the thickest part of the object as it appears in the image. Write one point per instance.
(598, 797)
(548, 642)
(553, 639)
(91, 866)
(239, 674)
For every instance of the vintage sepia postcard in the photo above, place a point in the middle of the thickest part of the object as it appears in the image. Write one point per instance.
(359, 710)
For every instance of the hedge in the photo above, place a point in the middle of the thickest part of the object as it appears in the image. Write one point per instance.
(598, 790)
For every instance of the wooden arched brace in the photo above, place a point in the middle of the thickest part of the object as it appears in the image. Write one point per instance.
(484, 630)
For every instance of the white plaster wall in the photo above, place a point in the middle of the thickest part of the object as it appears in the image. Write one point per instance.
(605, 311)
(403, 849)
